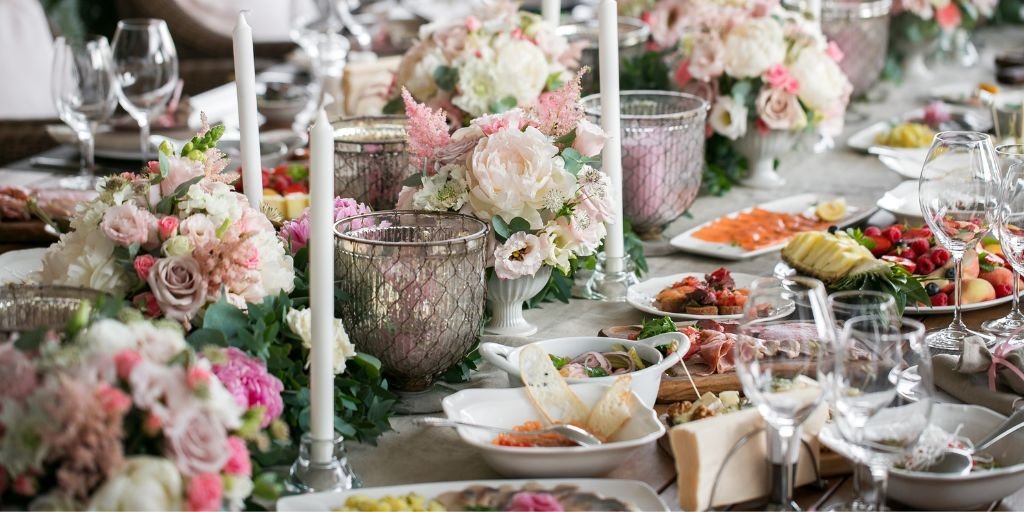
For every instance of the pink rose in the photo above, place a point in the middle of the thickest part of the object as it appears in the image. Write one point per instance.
(180, 170)
(125, 362)
(780, 110)
(205, 492)
(146, 302)
(492, 123)
(834, 51)
(18, 378)
(682, 74)
(707, 61)
(197, 377)
(179, 287)
(127, 224)
(948, 17)
(167, 227)
(195, 441)
(142, 265)
(473, 24)
(590, 138)
(113, 400)
(239, 463)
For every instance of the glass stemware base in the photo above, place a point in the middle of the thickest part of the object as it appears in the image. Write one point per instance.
(1007, 325)
(83, 182)
(951, 338)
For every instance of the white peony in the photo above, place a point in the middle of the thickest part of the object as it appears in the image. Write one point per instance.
(300, 322)
(478, 85)
(729, 117)
(822, 82)
(754, 46)
(84, 259)
(443, 191)
(144, 483)
(514, 174)
(521, 71)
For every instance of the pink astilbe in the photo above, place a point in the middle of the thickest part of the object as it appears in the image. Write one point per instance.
(558, 112)
(428, 129)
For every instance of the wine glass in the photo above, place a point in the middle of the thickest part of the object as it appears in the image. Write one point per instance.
(957, 191)
(1010, 158)
(1010, 222)
(787, 330)
(84, 94)
(867, 408)
(146, 67)
(317, 26)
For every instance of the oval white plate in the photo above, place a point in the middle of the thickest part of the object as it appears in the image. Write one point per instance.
(948, 310)
(17, 266)
(902, 201)
(641, 296)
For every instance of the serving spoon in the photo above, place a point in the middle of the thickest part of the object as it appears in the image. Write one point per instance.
(573, 433)
(959, 462)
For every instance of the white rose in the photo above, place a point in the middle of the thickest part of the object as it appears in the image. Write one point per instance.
(754, 46)
(416, 70)
(590, 138)
(177, 246)
(300, 323)
(84, 259)
(144, 483)
(515, 174)
(729, 118)
(822, 82)
(521, 71)
(478, 83)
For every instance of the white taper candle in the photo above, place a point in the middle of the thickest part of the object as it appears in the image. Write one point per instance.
(248, 125)
(611, 157)
(551, 11)
(321, 286)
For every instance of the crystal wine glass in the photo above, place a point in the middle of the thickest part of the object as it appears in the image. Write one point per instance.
(318, 26)
(787, 330)
(146, 67)
(1010, 157)
(957, 191)
(84, 93)
(1010, 221)
(867, 407)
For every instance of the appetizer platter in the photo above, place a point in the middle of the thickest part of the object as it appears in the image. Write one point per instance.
(575, 494)
(767, 227)
(719, 295)
(916, 128)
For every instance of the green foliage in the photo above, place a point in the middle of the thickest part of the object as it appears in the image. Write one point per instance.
(723, 166)
(463, 370)
(167, 204)
(394, 106)
(650, 329)
(858, 236)
(554, 82)
(446, 77)
(634, 247)
(645, 72)
(574, 160)
(896, 281)
(503, 230)
(504, 105)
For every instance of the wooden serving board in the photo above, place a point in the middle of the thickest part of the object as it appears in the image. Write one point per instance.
(675, 386)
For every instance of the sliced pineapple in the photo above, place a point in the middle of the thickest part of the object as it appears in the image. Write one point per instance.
(828, 257)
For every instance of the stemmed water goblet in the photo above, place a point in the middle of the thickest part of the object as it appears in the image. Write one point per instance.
(958, 191)
(868, 410)
(84, 94)
(146, 67)
(792, 311)
(1010, 219)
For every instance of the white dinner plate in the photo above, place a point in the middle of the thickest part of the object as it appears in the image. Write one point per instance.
(17, 266)
(948, 310)
(637, 494)
(905, 162)
(641, 296)
(802, 203)
(908, 388)
(865, 138)
(116, 145)
(903, 202)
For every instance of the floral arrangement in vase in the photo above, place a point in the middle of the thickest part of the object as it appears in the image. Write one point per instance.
(919, 24)
(490, 62)
(173, 238)
(119, 413)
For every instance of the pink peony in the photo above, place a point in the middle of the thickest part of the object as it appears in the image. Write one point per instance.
(239, 463)
(590, 138)
(167, 227)
(125, 362)
(205, 491)
(18, 378)
(492, 123)
(526, 501)
(248, 381)
(142, 265)
(127, 224)
(521, 255)
(196, 440)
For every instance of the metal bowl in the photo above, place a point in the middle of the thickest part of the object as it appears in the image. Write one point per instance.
(27, 308)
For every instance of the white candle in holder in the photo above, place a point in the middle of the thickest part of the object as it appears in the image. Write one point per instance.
(248, 125)
(611, 157)
(321, 287)
(551, 11)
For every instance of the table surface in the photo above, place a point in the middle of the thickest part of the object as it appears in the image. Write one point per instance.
(413, 454)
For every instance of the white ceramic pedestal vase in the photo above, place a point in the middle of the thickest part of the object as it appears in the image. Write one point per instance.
(506, 297)
(761, 150)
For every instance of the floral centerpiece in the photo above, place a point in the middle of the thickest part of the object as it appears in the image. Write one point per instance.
(493, 61)
(919, 24)
(526, 171)
(121, 414)
(173, 239)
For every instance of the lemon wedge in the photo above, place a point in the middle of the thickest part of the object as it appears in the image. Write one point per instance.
(831, 211)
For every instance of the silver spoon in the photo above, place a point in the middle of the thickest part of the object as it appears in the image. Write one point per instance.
(574, 433)
(956, 461)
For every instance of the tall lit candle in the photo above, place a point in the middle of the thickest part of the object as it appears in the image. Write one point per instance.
(551, 11)
(611, 158)
(248, 126)
(321, 286)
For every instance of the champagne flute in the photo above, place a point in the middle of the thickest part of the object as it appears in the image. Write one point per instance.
(958, 189)
(867, 408)
(787, 330)
(1010, 222)
(84, 94)
(1010, 159)
(146, 67)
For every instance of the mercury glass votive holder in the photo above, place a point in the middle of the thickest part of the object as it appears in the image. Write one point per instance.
(370, 159)
(633, 33)
(27, 307)
(662, 154)
(860, 28)
(414, 289)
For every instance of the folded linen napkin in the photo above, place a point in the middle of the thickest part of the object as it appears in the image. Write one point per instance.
(983, 377)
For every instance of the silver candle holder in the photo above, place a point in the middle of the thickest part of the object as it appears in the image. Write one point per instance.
(633, 34)
(371, 160)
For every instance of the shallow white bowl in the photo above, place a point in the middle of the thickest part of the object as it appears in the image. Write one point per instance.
(512, 406)
(645, 383)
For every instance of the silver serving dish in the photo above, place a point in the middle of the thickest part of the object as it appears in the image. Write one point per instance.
(27, 307)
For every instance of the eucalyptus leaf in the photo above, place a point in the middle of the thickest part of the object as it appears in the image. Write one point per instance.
(446, 77)
(413, 181)
(501, 229)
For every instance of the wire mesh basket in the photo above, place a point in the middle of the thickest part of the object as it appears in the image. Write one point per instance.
(861, 30)
(26, 308)
(414, 287)
(370, 159)
(662, 154)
